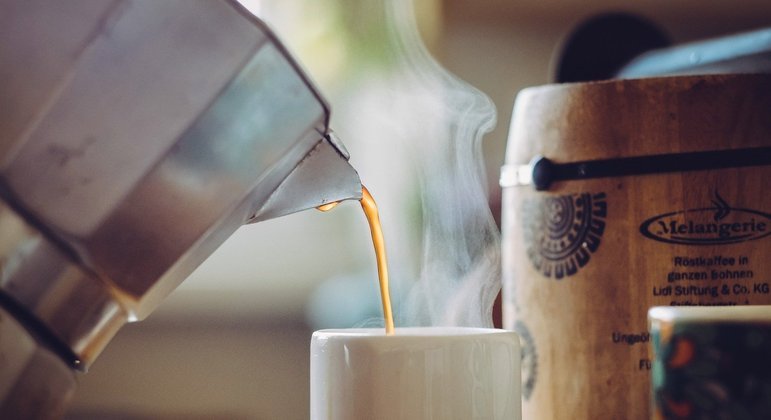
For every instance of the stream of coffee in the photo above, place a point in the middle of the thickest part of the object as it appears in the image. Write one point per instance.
(373, 218)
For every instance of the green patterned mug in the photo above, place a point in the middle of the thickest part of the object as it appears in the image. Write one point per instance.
(711, 362)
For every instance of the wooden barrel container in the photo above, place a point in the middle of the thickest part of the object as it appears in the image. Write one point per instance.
(649, 192)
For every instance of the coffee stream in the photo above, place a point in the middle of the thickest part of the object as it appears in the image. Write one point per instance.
(370, 210)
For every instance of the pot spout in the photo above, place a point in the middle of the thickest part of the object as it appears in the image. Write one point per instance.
(323, 176)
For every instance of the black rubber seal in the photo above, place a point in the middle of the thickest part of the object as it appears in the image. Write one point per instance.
(546, 172)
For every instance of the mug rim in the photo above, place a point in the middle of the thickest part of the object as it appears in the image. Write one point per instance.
(712, 314)
(406, 332)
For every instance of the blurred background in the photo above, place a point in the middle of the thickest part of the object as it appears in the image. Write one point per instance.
(233, 340)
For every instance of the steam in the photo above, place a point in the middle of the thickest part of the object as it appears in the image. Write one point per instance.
(459, 274)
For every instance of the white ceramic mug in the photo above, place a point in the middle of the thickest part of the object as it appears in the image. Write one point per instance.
(418, 373)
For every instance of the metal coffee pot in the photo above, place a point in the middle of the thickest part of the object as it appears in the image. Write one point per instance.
(135, 137)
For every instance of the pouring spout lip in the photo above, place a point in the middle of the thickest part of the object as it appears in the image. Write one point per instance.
(337, 143)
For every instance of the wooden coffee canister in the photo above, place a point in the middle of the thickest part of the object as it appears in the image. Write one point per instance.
(619, 196)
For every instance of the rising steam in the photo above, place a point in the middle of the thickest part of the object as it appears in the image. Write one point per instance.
(460, 267)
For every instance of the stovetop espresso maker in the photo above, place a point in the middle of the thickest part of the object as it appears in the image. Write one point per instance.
(135, 137)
